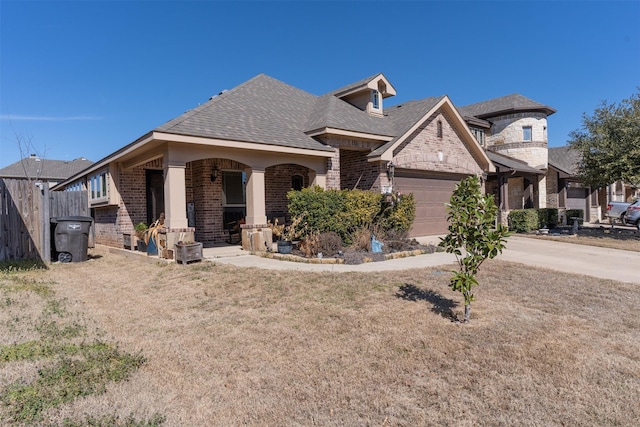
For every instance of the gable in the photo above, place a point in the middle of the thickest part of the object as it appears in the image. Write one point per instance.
(415, 120)
(424, 149)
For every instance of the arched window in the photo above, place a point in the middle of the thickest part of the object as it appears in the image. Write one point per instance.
(439, 128)
(297, 182)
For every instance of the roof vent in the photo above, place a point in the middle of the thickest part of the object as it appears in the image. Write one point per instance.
(225, 90)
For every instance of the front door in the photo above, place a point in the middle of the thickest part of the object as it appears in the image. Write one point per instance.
(155, 194)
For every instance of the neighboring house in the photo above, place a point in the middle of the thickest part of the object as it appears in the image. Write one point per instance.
(238, 154)
(513, 130)
(44, 170)
(565, 190)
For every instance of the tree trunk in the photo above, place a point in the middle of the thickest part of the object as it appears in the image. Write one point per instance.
(467, 313)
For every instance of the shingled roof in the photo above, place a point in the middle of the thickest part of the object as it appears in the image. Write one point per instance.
(264, 110)
(333, 112)
(45, 169)
(504, 105)
(403, 116)
(564, 159)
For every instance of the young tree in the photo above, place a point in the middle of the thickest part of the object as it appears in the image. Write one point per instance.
(609, 144)
(472, 217)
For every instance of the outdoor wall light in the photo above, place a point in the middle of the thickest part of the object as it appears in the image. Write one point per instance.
(390, 170)
(214, 173)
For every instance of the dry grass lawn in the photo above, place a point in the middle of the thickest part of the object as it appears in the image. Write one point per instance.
(625, 238)
(227, 346)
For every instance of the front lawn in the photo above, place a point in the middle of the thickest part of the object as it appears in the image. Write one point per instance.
(219, 345)
(618, 237)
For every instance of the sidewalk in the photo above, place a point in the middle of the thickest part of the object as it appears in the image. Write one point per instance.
(550, 254)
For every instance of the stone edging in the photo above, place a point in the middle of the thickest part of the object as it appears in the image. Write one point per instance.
(296, 258)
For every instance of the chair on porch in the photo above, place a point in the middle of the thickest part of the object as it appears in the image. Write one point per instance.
(233, 218)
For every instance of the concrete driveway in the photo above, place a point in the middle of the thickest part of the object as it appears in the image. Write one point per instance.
(557, 255)
(551, 254)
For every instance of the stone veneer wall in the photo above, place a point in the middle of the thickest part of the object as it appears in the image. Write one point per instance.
(516, 193)
(552, 189)
(420, 150)
(505, 137)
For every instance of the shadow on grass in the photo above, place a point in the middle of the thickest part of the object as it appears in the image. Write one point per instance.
(439, 304)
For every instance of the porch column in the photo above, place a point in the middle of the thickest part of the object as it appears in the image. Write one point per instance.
(318, 179)
(256, 210)
(175, 200)
(541, 191)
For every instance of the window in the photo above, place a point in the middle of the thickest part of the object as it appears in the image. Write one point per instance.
(98, 187)
(233, 188)
(297, 182)
(479, 134)
(439, 128)
(526, 133)
(375, 99)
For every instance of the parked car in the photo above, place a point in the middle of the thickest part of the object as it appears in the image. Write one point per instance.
(617, 210)
(632, 216)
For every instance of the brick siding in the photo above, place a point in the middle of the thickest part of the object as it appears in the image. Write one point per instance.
(420, 150)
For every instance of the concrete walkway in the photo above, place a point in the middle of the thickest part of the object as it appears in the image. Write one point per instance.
(551, 254)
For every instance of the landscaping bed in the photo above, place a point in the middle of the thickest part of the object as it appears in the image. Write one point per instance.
(390, 250)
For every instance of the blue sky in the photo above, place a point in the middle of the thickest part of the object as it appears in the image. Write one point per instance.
(82, 79)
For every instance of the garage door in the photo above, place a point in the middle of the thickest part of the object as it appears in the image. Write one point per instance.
(431, 193)
(577, 198)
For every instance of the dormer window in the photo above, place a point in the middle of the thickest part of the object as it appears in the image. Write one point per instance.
(375, 100)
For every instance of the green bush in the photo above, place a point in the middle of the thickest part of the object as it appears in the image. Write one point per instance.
(523, 220)
(547, 217)
(322, 210)
(575, 213)
(344, 212)
(398, 216)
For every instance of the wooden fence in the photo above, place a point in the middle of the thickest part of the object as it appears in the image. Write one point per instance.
(26, 209)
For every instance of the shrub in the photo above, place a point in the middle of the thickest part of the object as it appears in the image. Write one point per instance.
(346, 212)
(329, 243)
(547, 217)
(523, 220)
(322, 210)
(399, 215)
(575, 213)
(361, 239)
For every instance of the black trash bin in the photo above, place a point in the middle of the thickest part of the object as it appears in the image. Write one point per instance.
(71, 237)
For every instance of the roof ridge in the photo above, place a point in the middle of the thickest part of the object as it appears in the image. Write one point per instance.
(176, 121)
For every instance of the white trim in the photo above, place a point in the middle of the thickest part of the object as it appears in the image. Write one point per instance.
(351, 134)
(446, 104)
(240, 145)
